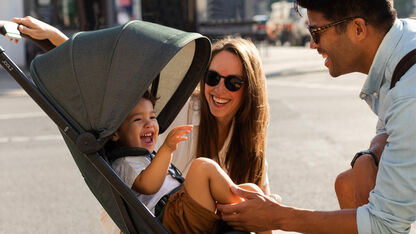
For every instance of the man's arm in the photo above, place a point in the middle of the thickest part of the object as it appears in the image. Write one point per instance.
(365, 170)
(377, 144)
(260, 212)
(392, 203)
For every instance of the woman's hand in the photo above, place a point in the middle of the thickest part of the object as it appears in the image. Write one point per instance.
(40, 30)
(177, 135)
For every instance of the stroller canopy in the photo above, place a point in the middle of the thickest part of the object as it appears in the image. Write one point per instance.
(96, 78)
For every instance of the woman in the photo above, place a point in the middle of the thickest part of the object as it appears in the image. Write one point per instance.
(234, 116)
(230, 113)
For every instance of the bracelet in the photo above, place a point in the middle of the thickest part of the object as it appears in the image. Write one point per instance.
(357, 155)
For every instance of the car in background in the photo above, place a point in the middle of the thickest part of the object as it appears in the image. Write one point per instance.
(260, 33)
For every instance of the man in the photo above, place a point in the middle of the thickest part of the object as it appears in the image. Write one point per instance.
(357, 36)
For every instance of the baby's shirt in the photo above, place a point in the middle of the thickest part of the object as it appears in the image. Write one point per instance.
(128, 168)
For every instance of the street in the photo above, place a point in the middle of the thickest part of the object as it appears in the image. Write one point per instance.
(317, 123)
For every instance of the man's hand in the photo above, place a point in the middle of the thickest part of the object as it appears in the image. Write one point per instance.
(254, 214)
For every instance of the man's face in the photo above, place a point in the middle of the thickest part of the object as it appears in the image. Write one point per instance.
(335, 47)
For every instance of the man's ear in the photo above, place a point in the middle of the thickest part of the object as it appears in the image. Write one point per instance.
(360, 29)
(115, 137)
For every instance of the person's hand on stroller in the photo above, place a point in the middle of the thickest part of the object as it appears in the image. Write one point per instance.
(40, 30)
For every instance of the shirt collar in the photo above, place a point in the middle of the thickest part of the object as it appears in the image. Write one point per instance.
(383, 55)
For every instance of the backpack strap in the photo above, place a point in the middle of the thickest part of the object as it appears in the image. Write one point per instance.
(403, 66)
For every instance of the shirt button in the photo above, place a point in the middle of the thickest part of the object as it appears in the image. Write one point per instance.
(375, 94)
(363, 95)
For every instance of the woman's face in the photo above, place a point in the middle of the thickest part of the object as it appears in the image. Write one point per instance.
(223, 103)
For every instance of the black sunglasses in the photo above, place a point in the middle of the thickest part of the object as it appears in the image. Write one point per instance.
(232, 82)
(314, 30)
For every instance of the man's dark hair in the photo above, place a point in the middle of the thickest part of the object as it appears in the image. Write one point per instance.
(378, 13)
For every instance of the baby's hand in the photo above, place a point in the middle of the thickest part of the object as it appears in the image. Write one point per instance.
(177, 135)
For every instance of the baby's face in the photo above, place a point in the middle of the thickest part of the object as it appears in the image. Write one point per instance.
(140, 128)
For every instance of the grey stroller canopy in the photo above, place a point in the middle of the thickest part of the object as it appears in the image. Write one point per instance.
(96, 78)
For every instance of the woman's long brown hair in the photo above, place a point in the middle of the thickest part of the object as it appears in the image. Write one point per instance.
(245, 158)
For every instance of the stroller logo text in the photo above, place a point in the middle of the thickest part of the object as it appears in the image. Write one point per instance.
(7, 65)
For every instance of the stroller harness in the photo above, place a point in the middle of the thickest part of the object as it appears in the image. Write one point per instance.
(140, 152)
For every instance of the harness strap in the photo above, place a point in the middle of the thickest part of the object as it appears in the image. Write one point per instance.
(403, 66)
(120, 152)
(125, 151)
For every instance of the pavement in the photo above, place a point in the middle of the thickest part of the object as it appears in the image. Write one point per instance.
(284, 61)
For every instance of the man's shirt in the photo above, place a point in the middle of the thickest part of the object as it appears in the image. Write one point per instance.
(392, 203)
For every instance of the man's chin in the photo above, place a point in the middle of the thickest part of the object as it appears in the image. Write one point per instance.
(333, 73)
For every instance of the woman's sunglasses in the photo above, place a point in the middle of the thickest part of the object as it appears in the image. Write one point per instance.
(232, 82)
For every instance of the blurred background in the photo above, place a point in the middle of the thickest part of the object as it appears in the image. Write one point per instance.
(271, 21)
(316, 123)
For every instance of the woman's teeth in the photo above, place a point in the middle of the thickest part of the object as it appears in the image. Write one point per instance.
(220, 100)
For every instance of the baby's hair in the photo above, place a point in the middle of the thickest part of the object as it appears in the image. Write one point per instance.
(148, 96)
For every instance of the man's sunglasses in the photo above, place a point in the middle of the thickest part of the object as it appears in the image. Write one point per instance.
(232, 82)
(314, 30)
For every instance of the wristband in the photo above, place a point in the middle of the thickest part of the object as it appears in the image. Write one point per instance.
(357, 155)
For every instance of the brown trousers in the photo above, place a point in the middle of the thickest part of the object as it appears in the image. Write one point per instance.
(184, 215)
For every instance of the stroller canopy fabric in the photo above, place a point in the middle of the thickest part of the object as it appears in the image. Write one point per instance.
(97, 77)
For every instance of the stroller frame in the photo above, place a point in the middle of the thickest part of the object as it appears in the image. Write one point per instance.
(88, 144)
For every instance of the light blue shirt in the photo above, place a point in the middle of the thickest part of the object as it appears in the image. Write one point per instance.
(392, 203)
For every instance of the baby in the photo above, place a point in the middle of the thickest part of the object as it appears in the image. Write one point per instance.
(191, 208)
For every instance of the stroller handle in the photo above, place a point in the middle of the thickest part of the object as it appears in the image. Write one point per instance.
(10, 29)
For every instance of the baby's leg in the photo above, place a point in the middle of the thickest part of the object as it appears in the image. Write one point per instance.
(251, 187)
(207, 183)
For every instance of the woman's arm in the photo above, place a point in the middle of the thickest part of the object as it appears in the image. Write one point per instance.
(40, 30)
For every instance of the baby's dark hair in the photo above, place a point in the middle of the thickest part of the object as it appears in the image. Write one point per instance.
(148, 96)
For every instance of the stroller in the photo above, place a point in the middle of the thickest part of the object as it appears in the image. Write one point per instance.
(89, 84)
